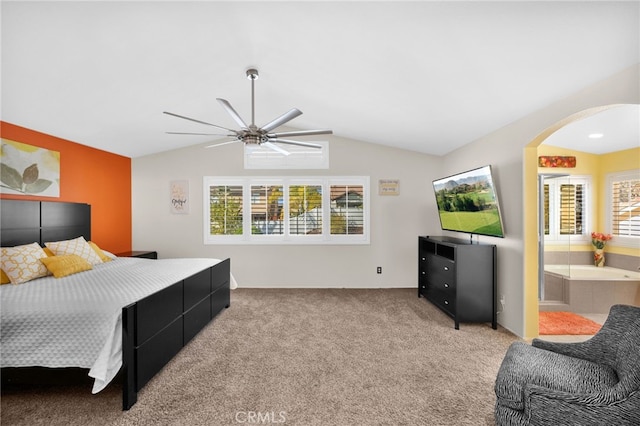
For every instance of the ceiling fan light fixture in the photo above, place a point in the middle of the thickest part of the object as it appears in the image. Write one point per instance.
(252, 139)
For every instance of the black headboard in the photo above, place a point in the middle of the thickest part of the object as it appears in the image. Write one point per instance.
(25, 222)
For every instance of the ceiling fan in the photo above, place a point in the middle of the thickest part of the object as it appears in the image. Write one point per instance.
(250, 134)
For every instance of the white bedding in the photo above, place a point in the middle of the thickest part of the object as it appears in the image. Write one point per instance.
(75, 321)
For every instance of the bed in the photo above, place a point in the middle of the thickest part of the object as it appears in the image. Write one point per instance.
(128, 315)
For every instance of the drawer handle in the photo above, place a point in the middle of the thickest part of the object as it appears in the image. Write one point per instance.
(446, 302)
(446, 285)
(423, 272)
(446, 268)
(424, 258)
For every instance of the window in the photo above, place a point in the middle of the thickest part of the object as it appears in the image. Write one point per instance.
(300, 157)
(225, 209)
(305, 209)
(266, 210)
(623, 207)
(291, 210)
(565, 209)
(571, 205)
(346, 210)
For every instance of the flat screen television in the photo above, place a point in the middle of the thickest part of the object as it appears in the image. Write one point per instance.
(468, 202)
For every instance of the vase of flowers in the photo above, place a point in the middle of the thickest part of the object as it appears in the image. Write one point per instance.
(599, 240)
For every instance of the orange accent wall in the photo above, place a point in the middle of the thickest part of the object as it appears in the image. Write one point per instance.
(87, 175)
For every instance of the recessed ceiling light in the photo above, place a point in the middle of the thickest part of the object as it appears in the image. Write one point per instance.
(595, 135)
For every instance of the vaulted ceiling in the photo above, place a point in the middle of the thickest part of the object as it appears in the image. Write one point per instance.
(428, 76)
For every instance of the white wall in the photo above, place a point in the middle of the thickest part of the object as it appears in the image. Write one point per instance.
(396, 221)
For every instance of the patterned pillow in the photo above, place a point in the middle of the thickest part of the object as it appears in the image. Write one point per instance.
(77, 246)
(99, 251)
(22, 263)
(66, 264)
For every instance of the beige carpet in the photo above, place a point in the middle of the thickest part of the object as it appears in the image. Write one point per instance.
(301, 357)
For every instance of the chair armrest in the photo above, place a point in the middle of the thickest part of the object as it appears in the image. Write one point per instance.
(543, 406)
(584, 350)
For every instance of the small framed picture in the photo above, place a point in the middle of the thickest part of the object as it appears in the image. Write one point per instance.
(389, 187)
(179, 196)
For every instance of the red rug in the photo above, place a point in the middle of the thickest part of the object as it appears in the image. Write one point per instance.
(555, 323)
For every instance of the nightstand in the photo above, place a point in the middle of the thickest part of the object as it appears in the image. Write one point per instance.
(142, 254)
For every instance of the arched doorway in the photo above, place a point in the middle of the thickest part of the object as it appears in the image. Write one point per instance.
(531, 237)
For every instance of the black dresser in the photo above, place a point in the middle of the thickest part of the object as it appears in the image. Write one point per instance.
(459, 277)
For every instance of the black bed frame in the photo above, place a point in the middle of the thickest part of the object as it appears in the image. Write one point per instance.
(155, 328)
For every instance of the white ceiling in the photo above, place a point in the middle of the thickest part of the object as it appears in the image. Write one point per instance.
(611, 130)
(428, 76)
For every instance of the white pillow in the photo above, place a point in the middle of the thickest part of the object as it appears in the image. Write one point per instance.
(22, 263)
(78, 246)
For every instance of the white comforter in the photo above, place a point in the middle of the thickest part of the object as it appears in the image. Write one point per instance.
(76, 321)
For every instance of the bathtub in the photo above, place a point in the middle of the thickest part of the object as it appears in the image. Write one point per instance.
(589, 289)
(591, 272)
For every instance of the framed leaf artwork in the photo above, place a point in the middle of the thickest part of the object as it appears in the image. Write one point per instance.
(29, 170)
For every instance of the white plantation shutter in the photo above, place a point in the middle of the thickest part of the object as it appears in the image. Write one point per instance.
(625, 207)
(305, 209)
(266, 210)
(571, 202)
(347, 214)
(225, 210)
(547, 226)
(287, 210)
(566, 213)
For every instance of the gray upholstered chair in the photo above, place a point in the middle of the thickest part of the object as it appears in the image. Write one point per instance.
(596, 382)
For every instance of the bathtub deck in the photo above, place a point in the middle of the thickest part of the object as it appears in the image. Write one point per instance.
(587, 295)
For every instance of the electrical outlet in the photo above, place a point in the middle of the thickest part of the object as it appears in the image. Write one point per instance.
(379, 269)
(502, 302)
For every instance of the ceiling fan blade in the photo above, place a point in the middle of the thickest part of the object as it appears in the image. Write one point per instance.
(287, 116)
(200, 134)
(232, 112)
(286, 141)
(198, 121)
(275, 148)
(222, 143)
(301, 133)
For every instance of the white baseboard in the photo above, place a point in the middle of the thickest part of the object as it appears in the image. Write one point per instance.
(337, 285)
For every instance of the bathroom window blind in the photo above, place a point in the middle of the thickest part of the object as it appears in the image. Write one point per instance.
(571, 202)
(625, 207)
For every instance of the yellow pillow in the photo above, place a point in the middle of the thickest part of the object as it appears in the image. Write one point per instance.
(4, 279)
(99, 251)
(22, 263)
(77, 246)
(66, 264)
(48, 251)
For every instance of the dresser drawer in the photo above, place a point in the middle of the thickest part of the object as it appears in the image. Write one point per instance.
(422, 266)
(446, 300)
(442, 285)
(441, 270)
